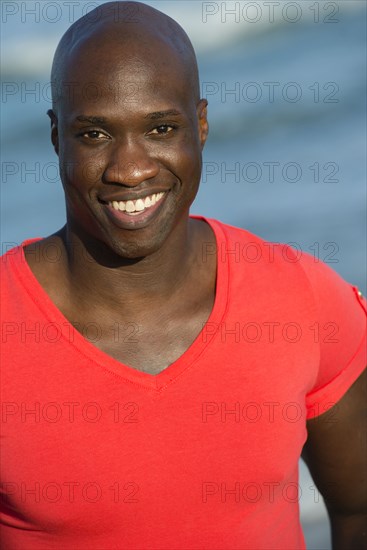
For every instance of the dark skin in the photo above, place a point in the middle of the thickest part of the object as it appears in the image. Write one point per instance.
(335, 452)
(135, 277)
(153, 276)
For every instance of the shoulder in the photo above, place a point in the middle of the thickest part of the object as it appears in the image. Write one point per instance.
(285, 270)
(249, 248)
(12, 261)
(33, 260)
(334, 296)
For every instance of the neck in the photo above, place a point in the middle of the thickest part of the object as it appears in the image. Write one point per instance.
(120, 281)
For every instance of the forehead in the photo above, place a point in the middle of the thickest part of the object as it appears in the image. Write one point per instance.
(125, 70)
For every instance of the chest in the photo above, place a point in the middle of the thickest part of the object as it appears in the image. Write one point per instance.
(150, 342)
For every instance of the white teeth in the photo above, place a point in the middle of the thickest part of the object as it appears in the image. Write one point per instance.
(138, 205)
(130, 206)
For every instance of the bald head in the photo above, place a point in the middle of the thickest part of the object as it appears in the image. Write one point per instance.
(124, 31)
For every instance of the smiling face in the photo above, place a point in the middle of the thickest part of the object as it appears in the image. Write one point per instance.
(129, 134)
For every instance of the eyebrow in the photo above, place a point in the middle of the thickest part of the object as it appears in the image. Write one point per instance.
(161, 114)
(92, 119)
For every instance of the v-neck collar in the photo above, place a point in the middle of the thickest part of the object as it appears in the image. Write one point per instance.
(155, 382)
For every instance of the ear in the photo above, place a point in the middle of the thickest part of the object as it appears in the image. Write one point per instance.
(54, 130)
(202, 121)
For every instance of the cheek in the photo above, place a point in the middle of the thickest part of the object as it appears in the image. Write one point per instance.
(80, 169)
(190, 161)
(188, 155)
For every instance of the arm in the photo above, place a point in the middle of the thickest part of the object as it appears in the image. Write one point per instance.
(336, 455)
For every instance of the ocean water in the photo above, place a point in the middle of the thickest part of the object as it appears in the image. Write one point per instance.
(286, 153)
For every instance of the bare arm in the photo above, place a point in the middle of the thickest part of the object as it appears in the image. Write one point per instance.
(336, 455)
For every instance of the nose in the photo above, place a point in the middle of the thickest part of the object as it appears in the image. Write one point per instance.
(130, 164)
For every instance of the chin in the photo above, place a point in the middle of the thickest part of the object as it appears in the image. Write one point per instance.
(111, 246)
(135, 249)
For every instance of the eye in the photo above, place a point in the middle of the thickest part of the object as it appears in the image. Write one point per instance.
(163, 129)
(94, 135)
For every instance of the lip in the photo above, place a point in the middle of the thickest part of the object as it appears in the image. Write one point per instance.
(139, 220)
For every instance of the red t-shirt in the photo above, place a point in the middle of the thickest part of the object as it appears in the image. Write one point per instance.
(204, 455)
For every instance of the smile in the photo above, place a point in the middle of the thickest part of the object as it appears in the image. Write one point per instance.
(135, 213)
(134, 207)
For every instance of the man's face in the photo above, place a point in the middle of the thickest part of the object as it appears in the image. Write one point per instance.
(129, 137)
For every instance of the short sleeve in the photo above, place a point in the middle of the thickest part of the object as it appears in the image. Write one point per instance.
(341, 330)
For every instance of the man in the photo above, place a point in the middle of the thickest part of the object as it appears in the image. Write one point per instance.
(156, 387)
